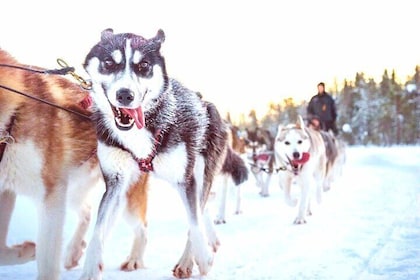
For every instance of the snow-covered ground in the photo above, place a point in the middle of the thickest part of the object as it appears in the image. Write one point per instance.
(367, 227)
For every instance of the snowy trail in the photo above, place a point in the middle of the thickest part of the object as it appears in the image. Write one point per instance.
(367, 227)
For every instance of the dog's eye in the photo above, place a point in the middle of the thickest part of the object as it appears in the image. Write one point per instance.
(109, 64)
(143, 67)
(287, 143)
(300, 142)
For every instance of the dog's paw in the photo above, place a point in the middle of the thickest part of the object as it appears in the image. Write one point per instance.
(132, 264)
(93, 274)
(74, 253)
(26, 251)
(204, 266)
(299, 221)
(17, 254)
(264, 194)
(183, 269)
(219, 221)
(214, 244)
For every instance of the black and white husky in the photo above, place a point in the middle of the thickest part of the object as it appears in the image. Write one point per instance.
(148, 122)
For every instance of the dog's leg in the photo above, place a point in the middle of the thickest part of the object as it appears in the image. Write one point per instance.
(211, 231)
(265, 185)
(198, 243)
(259, 177)
(328, 177)
(79, 199)
(136, 216)
(287, 189)
(184, 267)
(135, 259)
(304, 201)
(77, 244)
(222, 197)
(50, 233)
(17, 254)
(238, 199)
(109, 210)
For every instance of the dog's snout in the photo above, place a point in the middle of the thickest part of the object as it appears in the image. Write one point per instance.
(125, 96)
(296, 155)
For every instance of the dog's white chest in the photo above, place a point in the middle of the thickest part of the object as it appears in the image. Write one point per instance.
(169, 165)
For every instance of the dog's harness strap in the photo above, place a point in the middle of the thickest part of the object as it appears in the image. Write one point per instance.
(146, 164)
(45, 102)
(62, 71)
(4, 140)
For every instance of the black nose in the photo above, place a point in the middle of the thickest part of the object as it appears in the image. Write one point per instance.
(125, 96)
(296, 155)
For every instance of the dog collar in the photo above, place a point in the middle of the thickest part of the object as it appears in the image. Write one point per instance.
(146, 164)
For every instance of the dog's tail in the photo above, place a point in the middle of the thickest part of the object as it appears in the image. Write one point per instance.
(235, 166)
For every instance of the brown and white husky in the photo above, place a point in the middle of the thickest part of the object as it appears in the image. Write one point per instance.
(49, 154)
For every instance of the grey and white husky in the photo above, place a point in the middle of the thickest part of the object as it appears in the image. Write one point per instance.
(148, 122)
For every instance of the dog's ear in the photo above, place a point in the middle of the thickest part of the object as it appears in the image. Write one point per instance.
(159, 37)
(280, 134)
(300, 124)
(107, 33)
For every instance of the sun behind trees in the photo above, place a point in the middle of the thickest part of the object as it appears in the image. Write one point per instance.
(384, 113)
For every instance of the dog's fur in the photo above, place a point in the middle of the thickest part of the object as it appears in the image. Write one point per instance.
(260, 146)
(336, 155)
(49, 153)
(50, 156)
(146, 119)
(301, 152)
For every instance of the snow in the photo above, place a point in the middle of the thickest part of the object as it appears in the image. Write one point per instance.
(367, 227)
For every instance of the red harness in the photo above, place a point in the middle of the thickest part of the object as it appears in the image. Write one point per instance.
(146, 164)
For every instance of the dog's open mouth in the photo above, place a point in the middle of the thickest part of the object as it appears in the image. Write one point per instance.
(295, 163)
(125, 118)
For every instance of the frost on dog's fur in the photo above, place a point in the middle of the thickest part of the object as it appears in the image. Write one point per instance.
(148, 122)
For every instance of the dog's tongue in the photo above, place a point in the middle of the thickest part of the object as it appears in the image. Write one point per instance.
(304, 159)
(137, 115)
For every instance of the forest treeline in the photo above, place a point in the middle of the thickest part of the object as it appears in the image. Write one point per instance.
(369, 113)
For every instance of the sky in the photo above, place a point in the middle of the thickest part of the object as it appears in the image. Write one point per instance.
(238, 54)
(367, 227)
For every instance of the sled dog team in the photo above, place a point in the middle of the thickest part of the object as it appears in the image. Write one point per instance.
(134, 122)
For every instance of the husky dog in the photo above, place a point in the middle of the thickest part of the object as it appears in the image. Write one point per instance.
(237, 164)
(47, 154)
(300, 153)
(148, 122)
(260, 143)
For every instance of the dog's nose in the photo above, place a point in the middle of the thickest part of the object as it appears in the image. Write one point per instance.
(296, 155)
(125, 96)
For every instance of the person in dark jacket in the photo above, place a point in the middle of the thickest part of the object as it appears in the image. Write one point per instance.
(321, 110)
